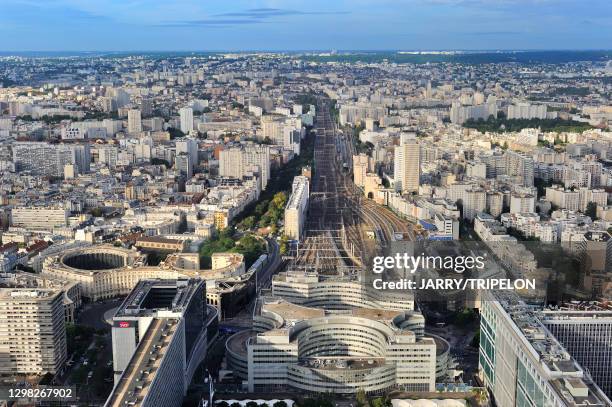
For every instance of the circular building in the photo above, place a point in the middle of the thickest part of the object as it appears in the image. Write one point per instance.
(301, 348)
(103, 271)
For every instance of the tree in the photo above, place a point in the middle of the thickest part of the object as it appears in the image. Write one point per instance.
(591, 210)
(381, 402)
(252, 404)
(222, 403)
(160, 161)
(236, 404)
(279, 200)
(96, 212)
(247, 223)
(361, 398)
(464, 317)
(284, 245)
(280, 403)
(175, 133)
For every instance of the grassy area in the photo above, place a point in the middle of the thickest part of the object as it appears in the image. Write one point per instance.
(267, 212)
(306, 100)
(248, 245)
(512, 125)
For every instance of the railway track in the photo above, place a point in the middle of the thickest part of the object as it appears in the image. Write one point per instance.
(338, 214)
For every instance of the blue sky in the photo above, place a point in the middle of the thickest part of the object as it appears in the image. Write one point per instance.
(128, 25)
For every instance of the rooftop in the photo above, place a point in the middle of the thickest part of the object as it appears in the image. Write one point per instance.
(135, 382)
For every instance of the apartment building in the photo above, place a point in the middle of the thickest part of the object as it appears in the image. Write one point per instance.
(32, 331)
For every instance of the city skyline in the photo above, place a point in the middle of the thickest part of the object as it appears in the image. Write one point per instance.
(66, 25)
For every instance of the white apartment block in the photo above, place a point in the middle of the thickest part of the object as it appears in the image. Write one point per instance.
(39, 218)
(237, 162)
(526, 111)
(134, 121)
(32, 331)
(297, 205)
(522, 203)
(186, 117)
(407, 165)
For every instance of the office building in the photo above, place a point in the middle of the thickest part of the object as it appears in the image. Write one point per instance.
(159, 338)
(522, 364)
(587, 336)
(297, 348)
(33, 331)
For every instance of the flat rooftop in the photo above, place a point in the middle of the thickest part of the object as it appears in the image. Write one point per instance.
(135, 382)
(292, 312)
(152, 295)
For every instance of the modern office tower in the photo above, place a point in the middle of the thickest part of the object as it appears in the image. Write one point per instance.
(186, 115)
(297, 205)
(188, 146)
(526, 111)
(39, 218)
(522, 364)
(33, 332)
(182, 163)
(521, 165)
(407, 166)
(587, 335)
(41, 158)
(362, 164)
(522, 203)
(159, 339)
(236, 162)
(295, 347)
(134, 121)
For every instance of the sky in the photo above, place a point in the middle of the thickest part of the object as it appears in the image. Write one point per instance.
(241, 25)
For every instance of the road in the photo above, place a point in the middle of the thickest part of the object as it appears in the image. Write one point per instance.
(263, 280)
